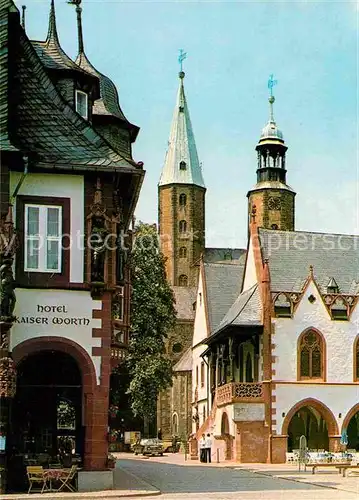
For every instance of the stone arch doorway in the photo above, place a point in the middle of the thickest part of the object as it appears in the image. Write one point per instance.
(226, 436)
(351, 424)
(47, 411)
(313, 420)
(90, 392)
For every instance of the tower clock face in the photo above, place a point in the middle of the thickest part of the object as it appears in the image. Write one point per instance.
(274, 203)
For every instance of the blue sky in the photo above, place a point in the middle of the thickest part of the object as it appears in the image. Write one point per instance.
(312, 49)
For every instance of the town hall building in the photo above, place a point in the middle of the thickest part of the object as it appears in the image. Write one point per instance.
(274, 350)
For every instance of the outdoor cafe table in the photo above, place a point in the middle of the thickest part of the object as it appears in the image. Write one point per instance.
(55, 475)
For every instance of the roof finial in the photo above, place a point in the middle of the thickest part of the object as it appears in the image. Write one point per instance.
(23, 16)
(182, 56)
(79, 23)
(52, 32)
(271, 84)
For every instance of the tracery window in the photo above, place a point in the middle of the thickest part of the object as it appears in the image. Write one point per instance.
(311, 355)
(182, 200)
(182, 226)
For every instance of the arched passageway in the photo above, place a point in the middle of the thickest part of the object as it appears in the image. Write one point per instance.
(351, 424)
(312, 419)
(308, 422)
(47, 410)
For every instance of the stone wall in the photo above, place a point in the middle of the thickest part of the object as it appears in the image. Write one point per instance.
(283, 218)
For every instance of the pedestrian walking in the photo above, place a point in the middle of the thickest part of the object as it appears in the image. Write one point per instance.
(202, 448)
(208, 448)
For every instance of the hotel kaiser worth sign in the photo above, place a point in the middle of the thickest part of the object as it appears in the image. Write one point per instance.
(58, 313)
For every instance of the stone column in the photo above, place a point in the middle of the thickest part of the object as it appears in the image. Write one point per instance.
(217, 368)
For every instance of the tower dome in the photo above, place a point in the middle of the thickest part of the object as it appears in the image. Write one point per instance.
(270, 131)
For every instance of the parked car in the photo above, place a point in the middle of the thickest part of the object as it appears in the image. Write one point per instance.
(151, 446)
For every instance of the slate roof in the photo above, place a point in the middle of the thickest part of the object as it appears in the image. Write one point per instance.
(185, 296)
(108, 104)
(49, 127)
(291, 253)
(246, 310)
(225, 255)
(181, 147)
(50, 51)
(5, 141)
(223, 285)
(185, 363)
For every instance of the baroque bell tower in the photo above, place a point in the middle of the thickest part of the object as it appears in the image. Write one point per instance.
(271, 199)
(181, 194)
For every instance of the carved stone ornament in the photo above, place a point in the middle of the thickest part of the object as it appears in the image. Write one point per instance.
(7, 378)
(7, 294)
(274, 203)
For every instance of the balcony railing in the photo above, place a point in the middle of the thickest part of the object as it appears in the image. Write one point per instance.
(236, 392)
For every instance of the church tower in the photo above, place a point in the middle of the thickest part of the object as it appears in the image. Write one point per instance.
(181, 193)
(271, 200)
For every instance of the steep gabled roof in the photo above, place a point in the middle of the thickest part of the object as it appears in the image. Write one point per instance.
(223, 284)
(49, 127)
(246, 310)
(291, 253)
(185, 363)
(181, 163)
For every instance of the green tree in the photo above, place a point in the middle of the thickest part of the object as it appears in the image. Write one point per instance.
(152, 316)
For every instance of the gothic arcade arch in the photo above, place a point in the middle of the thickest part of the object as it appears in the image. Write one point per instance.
(321, 408)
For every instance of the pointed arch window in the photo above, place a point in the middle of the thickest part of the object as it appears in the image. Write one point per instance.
(356, 359)
(311, 355)
(183, 165)
(183, 200)
(182, 252)
(182, 226)
(183, 280)
(175, 424)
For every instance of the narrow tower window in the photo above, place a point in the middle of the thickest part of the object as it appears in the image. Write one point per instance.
(183, 280)
(182, 200)
(183, 165)
(81, 104)
(183, 252)
(182, 226)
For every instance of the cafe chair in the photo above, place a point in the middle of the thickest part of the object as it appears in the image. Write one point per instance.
(35, 475)
(66, 481)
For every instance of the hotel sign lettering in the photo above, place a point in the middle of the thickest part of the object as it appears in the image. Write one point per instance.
(52, 314)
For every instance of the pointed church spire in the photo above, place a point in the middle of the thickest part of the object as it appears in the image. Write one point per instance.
(181, 163)
(52, 31)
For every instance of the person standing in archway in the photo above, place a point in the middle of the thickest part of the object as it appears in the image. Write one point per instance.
(208, 448)
(202, 449)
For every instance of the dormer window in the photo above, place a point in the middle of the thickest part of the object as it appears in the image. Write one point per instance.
(183, 165)
(82, 104)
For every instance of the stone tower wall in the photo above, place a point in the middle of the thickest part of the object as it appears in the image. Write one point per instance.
(283, 218)
(171, 212)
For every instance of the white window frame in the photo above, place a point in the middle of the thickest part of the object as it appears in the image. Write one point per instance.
(42, 238)
(77, 92)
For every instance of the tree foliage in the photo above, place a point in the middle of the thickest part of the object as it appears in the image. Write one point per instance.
(152, 316)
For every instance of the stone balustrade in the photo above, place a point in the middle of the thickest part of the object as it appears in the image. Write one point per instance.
(236, 392)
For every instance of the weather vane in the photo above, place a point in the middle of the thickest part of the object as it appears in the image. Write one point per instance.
(271, 84)
(182, 56)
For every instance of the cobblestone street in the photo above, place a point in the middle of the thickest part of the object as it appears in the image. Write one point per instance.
(178, 480)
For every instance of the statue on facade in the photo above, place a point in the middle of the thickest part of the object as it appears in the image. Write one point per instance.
(98, 240)
(7, 287)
